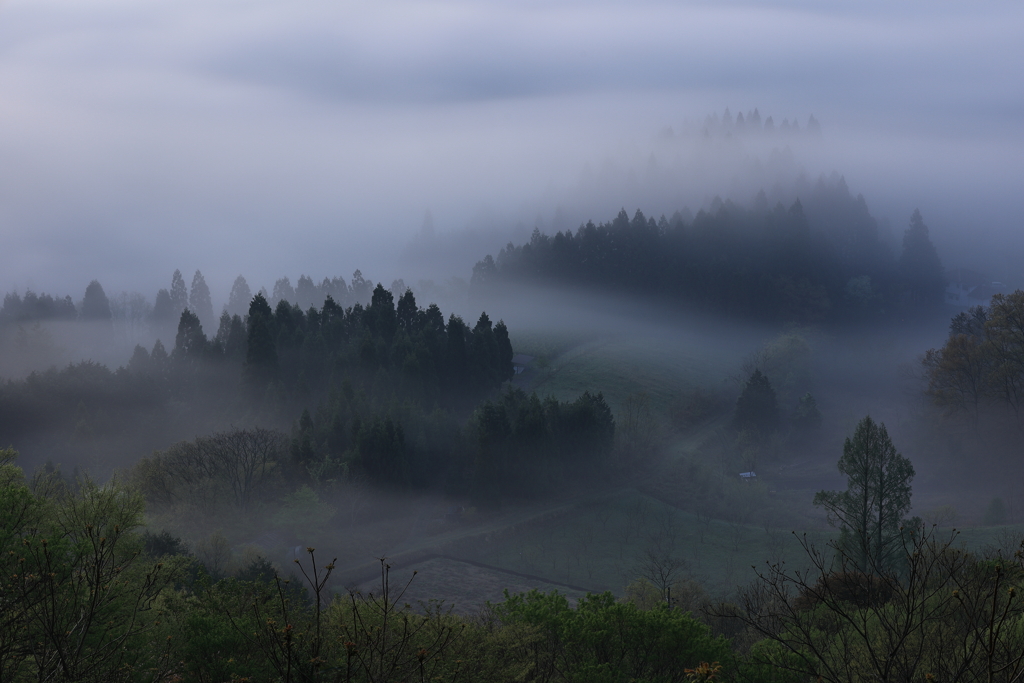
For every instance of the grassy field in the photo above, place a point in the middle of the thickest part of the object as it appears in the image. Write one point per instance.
(664, 370)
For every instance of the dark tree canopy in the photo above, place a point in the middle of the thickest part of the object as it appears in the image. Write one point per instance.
(819, 259)
(36, 307)
(869, 513)
(189, 342)
(261, 352)
(757, 408)
(920, 266)
(95, 305)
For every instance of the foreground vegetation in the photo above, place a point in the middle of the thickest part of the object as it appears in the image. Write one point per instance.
(87, 597)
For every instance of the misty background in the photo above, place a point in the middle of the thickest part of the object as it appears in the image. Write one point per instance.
(574, 294)
(408, 139)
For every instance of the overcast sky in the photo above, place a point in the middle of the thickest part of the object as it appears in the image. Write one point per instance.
(276, 138)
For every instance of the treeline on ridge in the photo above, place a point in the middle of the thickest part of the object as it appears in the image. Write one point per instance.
(384, 391)
(820, 260)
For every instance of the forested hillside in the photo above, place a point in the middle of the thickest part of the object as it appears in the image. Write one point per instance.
(388, 391)
(821, 259)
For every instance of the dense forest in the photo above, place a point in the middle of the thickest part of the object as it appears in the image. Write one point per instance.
(389, 391)
(821, 259)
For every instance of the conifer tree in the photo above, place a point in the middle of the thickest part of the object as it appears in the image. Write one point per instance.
(95, 305)
(920, 265)
(200, 302)
(870, 511)
(179, 294)
(240, 297)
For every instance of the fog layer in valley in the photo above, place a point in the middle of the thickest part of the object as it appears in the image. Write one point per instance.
(571, 295)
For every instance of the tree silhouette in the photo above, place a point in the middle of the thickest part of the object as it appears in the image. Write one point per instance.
(870, 511)
(261, 351)
(920, 266)
(241, 295)
(179, 294)
(757, 408)
(200, 302)
(95, 305)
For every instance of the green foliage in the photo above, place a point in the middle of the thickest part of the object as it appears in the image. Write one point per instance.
(301, 509)
(77, 592)
(162, 544)
(982, 361)
(870, 512)
(603, 640)
(770, 661)
(945, 614)
(235, 467)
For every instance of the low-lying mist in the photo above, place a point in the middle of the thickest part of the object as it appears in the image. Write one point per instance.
(565, 295)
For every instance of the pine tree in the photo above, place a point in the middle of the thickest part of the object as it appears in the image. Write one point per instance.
(200, 302)
(179, 294)
(261, 350)
(240, 297)
(95, 305)
(870, 511)
(920, 265)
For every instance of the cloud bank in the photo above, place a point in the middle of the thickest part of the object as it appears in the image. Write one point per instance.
(275, 139)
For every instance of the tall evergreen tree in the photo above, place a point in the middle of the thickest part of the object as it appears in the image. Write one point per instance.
(505, 369)
(920, 265)
(190, 342)
(179, 294)
(95, 305)
(261, 350)
(200, 302)
(240, 297)
(381, 312)
(283, 291)
(870, 511)
(406, 311)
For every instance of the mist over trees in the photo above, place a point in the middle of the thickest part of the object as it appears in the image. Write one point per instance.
(291, 406)
(388, 391)
(821, 259)
(981, 364)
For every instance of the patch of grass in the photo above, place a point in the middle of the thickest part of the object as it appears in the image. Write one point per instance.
(618, 368)
(602, 545)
